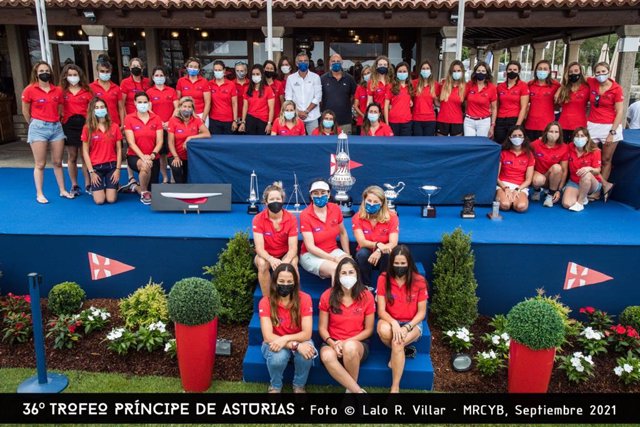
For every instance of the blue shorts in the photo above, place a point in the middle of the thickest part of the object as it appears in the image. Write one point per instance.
(40, 130)
(576, 186)
(419, 326)
(105, 171)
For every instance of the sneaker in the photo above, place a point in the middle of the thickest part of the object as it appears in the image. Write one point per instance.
(548, 201)
(127, 187)
(145, 197)
(75, 191)
(577, 207)
(87, 189)
(535, 196)
(410, 351)
(585, 201)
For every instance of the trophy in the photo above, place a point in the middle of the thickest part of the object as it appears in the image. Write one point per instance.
(391, 194)
(429, 211)
(469, 202)
(341, 180)
(253, 199)
(296, 193)
(495, 211)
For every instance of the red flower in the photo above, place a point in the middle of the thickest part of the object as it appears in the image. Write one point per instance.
(27, 298)
(619, 329)
(72, 328)
(19, 326)
(10, 295)
(632, 332)
(589, 310)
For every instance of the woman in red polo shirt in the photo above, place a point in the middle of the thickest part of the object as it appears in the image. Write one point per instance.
(605, 116)
(77, 95)
(452, 95)
(286, 322)
(197, 87)
(482, 103)
(550, 170)
(380, 81)
(542, 92)
(573, 97)
(102, 152)
(321, 223)
(425, 101)
(515, 172)
(223, 117)
(164, 101)
(143, 131)
(345, 324)
(288, 124)
(360, 98)
(257, 112)
(401, 296)
(276, 85)
(376, 230)
(398, 102)
(285, 68)
(328, 125)
(183, 127)
(373, 125)
(275, 236)
(513, 99)
(133, 84)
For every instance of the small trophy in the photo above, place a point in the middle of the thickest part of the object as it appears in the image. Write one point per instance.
(429, 211)
(391, 194)
(495, 212)
(297, 195)
(469, 202)
(341, 180)
(253, 199)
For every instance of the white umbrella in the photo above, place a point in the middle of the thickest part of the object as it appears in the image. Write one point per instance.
(614, 60)
(604, 53)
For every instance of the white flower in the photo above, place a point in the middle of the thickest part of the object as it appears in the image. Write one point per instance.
(464, 331)
(588, 359)
(495, 339)
(505, 336)
(627, 368)
(167, 347)
(90, 318)
(577, 354)
(575, 362)
(580, 368)
(492, 354)
(104, 315)
(115, 334)
(618, 370)
(450, 333)
(158, 326)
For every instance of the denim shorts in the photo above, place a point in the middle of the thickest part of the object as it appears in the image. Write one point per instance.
(105, 171)
(572, 184)
(419, 326)
(40, 130)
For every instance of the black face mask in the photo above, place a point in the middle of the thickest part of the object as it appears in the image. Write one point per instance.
(480, 76)
(136, 71)
(574, 78)
(270, 74)
(400, 271)
(382, 70)
(512, 75)
(284, 290)
(45, 77)
(275, 207)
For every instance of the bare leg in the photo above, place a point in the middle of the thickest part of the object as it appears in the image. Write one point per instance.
(264, 274)
(352, 352)
(57, 151)
(607, 156)
(39, 150)
(72, 161)
(337, 371)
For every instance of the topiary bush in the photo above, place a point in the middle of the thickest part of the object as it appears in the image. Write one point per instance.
(454, 301)
(572, 327)
(630, 316)
(235, 279)
(66, 298)
(145, 306)
(536, 324)
(193, 301)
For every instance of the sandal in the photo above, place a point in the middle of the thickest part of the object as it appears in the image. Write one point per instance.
(66, 195)
(410, 351)
(299, 390)
(273, 390)
(42, 200)
(606, 194)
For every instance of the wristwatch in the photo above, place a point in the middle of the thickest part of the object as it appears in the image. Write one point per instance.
(294, 346)
(612, 132)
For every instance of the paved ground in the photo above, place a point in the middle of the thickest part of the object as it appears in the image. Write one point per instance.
(16, 155)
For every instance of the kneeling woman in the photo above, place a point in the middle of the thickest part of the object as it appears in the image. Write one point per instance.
(515, 171)
(184, 126)
(402, 306)
(346, 321)
(286, 322)
(550, 170)
(102, 152)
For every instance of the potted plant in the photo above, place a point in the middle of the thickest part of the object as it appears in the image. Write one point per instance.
(536, 329)
(193, 306)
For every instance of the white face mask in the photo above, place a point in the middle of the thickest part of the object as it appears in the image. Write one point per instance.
(256, 79)
(159, 80)
(74, 80)
(105, 77)
(285, 69)
(602, 78)
(143, 107)
(289, 115)
(218, 74)
(580, 141)
(517, 141)
(348, 282)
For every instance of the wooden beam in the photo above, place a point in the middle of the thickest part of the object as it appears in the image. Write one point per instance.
(479, 13)
(525, 13)
(121, 13)
(344, 14)
(299, 14)
(433, 14)
(571, 13)
(209, 13)
(388, 14)
(74, 12)
(254, 13)
(165, 13)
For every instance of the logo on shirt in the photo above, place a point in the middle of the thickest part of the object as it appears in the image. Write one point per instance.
(508, 162)
(539, 154)
(41, 100)
(317, 229)
(268, 233)
(179, 130)
(136, 128)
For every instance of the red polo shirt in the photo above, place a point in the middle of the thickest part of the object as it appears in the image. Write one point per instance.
(324, 233)
(383, 130)
(605, 112)
(276, 242)
(195, 90)
(319, 131)
(283, 130)
(479, 101)
(75, 104)
(162, 101)
(361, 96)
(258, 106)
(509, 98)
(221, 97)
(110, 97)
(379, 93)
(378, 233)
(399, 105)
(102, 148)
(404, 307)
(548, 156)
(541, 105)
(423, 110)
(242, 89)
(574, 112)
(514, 166)
(592, 159)
(451, 109)
(350, 322)
(44, 105)
(182, 131)
(285, 326)
(130, 87)
(144, 133)
(278, 90)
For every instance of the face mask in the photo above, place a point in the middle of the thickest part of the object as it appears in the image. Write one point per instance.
(285, 69)
(270, 74)
(552, 136)
(321, 201)
(159, 81)
(366, 77)
(348, 282)
(512, 75)
(193, 71)
(289, 115)
(336, 67)
(382, 70)
(284, 290)
(142, 108)
(372, 209)
(100, 113)
(579, 141)
(481, 76)
(327, 124)
(218, 75)
(275, 207)
(602, 78)
(574, 78)
(186, 113)
(403, 76)
(400, 271)
(517, 141)
(541, 75)
(45, 77)
(136, 71)
(240, 74)
(303, 66)
(74, 80)
(256, 79)
(425, 74)
(373, 117)
(456, 75)
(105, 77)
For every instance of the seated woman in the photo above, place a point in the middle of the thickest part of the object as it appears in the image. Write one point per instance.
(372, 125)
(376, 230)
(515, 171)
(550, 170)
(288, 124)
(585, 166)
(402, 306)
(320, 223)
(286, 323)
(275, 236)
(345, 323)
(328, 125)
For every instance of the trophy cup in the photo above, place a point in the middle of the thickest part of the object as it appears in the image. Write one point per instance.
(429, 211)
(469, 202)
(391, 194)
(253, 199)
(297, 194)
(495, 212)
(341, 180)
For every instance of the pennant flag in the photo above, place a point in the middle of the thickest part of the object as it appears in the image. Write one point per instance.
(103, 267)
(332, 164)
(578, 276)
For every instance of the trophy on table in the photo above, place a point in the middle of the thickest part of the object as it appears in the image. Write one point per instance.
(391, 194)
(297, 195)
(253, 199)
(494, 215)
(469, 202)
(341, 180)
(429, 211)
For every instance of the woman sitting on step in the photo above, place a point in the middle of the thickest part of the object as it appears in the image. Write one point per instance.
(402, 306)
(345, 324)
(286, 322)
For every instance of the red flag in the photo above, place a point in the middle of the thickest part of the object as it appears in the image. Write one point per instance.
(578, 276)
(332, 164)
(103, 267)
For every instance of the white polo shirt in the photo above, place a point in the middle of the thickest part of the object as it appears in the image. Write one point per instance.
(305, 91)
(633, 114)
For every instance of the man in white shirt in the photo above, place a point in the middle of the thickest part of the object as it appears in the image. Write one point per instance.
(305, 89)
(633, 115)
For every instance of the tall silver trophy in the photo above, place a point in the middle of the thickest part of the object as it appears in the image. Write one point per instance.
(341, 180)
(429, 211)
(391, 192)
(253, 199)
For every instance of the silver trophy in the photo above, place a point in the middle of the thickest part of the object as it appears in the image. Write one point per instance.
(341, 180)
(429, 211)
(391, 194)
(297, 195)
(253, 199)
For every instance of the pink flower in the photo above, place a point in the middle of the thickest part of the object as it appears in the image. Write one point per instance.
(72, 328)
(19, 326)
(589, 310)
(27, 298)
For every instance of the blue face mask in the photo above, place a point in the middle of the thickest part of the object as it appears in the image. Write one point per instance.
(456, 75)
(541, 75)
(425, 74)
(403, 76)
(372, 209)
(327, 124)
(193, 71)
(321, 201)
(336, 67)
(303, 66)
(373, 117)
(100, 113)
(289, 115)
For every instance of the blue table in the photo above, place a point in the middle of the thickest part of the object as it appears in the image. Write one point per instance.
(626, 170)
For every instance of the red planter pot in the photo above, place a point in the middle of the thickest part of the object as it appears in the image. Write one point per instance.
(196, 347)
(529, 370)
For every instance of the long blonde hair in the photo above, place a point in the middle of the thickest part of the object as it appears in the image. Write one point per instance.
(281, 118)
(383, 214)
(422, 82)
(376, 77)
(93, 122)
(447, 87)
(564, 94)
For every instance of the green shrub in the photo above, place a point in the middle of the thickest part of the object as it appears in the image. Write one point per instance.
(235, 278)
(66, 298)
(572, 327)
(193, 301)
(536, 324)
(630, 316)
(454, 302)
(145, 306)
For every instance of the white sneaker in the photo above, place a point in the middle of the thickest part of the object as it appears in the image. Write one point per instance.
(577, 207)
(548, 201)
(585, 201)
(535, 196)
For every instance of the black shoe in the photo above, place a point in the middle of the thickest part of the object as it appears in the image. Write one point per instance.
(127, 188)
(75, 191)
(410, 351)
(87, 189)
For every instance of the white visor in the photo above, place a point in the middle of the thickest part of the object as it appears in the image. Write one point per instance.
(319, 185)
